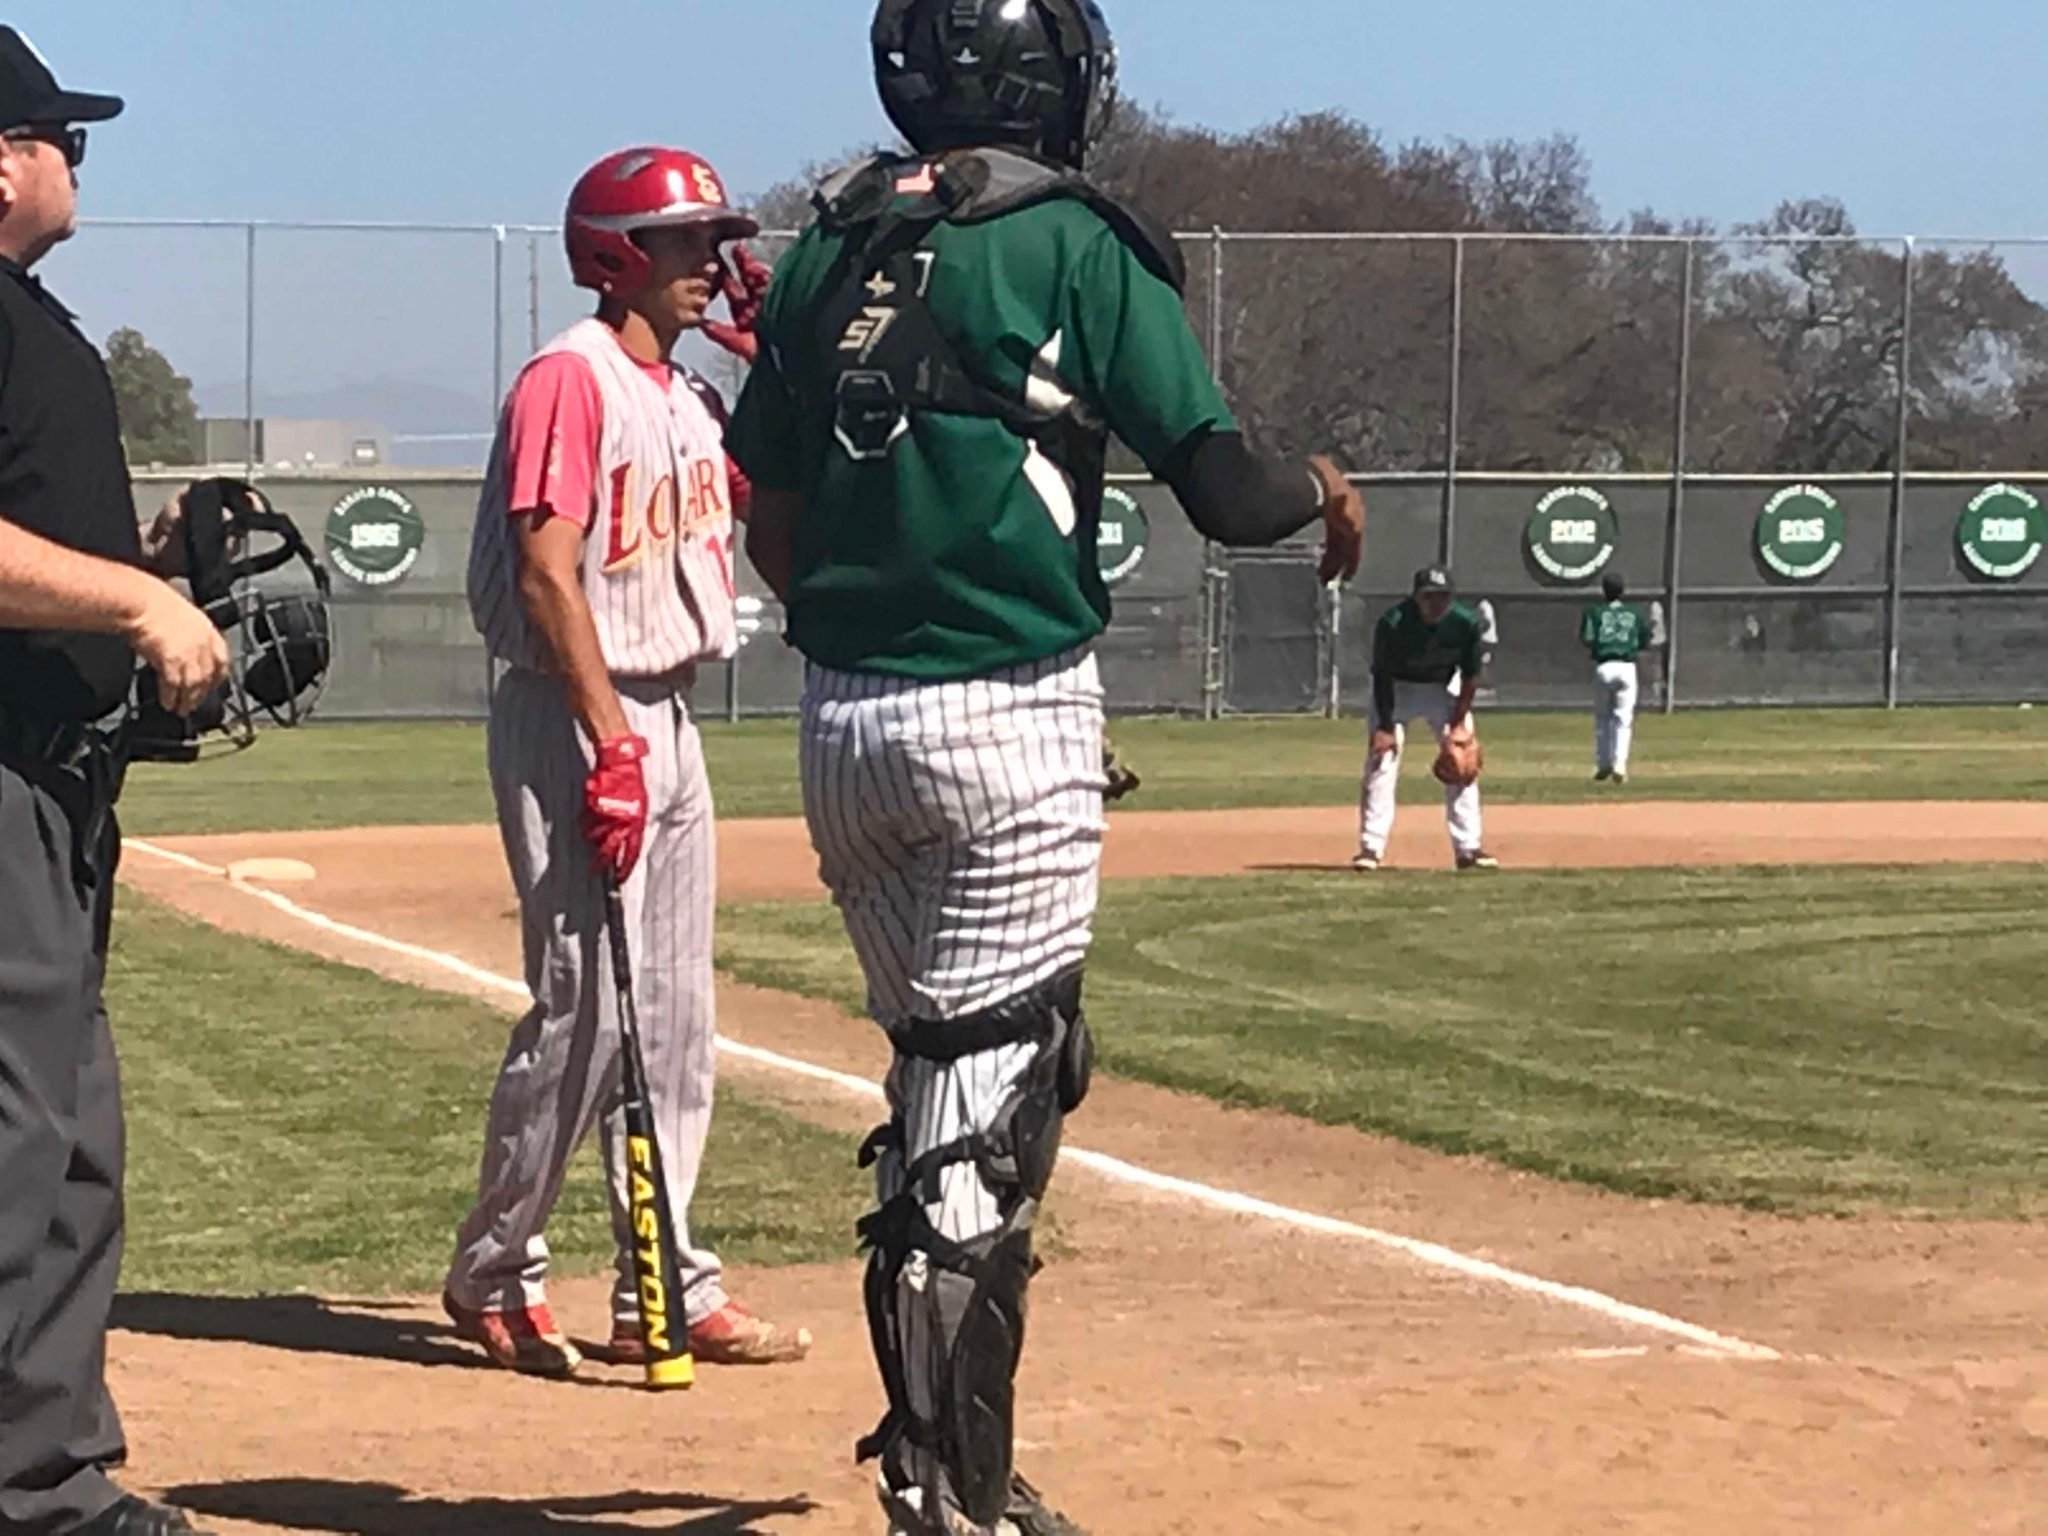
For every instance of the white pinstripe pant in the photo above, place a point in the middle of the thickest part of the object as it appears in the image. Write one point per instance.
(959, 828)
(562, 1069)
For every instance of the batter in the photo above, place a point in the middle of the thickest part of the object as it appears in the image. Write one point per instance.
(943, 354)
(600, 575)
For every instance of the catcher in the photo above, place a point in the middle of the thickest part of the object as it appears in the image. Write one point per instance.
(1419, 647)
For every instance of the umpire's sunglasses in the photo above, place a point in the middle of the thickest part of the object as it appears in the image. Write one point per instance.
(70, 141)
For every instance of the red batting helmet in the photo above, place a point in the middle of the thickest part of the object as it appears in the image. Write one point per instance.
(640, 189)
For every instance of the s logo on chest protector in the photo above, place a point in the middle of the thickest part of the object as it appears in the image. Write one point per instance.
(865, 331)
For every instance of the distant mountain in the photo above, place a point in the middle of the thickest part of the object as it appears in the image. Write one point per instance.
(410, 408)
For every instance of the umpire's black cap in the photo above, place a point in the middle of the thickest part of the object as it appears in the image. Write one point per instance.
(1433, 578)
(29, 93)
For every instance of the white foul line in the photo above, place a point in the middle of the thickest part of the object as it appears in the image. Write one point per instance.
(1432, 1255)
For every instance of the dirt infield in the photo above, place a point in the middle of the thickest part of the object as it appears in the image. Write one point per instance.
(1191, 1370)
(768, 859)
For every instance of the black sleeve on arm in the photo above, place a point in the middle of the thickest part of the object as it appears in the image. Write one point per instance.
(1235, 497)
(1382, 680)
(1382, 700)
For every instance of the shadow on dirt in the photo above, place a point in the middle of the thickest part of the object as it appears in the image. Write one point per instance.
(384, 1509)
(307, 1324)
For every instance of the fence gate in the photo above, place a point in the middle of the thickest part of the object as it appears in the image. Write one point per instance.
(1276, 644)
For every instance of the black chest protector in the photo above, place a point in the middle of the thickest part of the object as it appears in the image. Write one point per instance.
(884, 357)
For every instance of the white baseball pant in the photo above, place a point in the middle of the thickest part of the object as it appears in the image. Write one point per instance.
(1431, 703)
(1615, 691)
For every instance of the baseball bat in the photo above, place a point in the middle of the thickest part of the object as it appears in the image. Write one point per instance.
(662, 1331)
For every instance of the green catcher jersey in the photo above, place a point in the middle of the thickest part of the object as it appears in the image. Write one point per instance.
(958, 550)
(1410, 651)
(1616, 631)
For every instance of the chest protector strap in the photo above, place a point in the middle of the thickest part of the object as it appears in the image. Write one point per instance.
(885, 357)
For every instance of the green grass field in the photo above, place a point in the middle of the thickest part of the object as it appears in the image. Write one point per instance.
(1808, 1041)
(300, 1125)
(1804, 1040)
(412, 774)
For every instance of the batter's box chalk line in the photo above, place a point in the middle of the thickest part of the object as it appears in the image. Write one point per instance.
(1704, 1342)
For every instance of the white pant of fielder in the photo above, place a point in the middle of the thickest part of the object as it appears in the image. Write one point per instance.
(1431, 703)
(1614, 714)
(959, 827)
(562, 1069)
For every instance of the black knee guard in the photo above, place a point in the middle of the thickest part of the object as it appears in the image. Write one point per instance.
(947, 1317)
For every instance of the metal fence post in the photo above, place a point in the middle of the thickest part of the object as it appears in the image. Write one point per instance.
(1674, 532)
(249, 354)
(497, 315)
(1215, 573)
(1895, 557)
(1335, 708)
(497, 397)
(1447, 530)
(533, 293)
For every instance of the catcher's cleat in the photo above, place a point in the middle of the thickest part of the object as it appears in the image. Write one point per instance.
(1028, 1514)
(730, 1336)
(1479, 858)
(523, 1339)
(1365, 861)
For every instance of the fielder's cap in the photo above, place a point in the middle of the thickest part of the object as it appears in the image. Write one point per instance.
(29, 93)
(1433, 578)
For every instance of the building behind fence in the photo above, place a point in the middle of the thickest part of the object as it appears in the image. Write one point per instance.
(1825, 459)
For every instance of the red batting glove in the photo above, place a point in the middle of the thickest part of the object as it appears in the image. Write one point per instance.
(615, 806)
(744, 292)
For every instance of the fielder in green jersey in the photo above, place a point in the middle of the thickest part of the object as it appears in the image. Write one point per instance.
(1614, 630)
(942, 357)
(1427, 654)
(1615, 633)
(1407, 648)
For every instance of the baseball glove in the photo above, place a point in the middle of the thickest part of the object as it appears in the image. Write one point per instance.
(1121, 779)
(1460, 758)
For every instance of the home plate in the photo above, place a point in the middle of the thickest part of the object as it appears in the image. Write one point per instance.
(271, 871)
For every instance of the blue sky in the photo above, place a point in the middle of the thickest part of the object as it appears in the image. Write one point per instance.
(1926, 118)
(1923, 116)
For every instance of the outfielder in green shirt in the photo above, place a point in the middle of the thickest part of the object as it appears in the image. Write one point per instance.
(942, 358)
(1615, 633)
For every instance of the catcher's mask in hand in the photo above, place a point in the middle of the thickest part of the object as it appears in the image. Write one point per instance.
(280, 643)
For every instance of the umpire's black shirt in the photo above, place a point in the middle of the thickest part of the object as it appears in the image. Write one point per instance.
(62, 475)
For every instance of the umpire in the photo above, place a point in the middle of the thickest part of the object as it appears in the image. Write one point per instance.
(77, 608)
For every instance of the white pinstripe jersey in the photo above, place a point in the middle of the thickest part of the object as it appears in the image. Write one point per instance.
(657, 550)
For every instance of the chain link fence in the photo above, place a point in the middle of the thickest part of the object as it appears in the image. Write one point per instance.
(1823, 457)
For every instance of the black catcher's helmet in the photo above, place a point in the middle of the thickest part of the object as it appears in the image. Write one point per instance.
(1037, 74)
(280, 644)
